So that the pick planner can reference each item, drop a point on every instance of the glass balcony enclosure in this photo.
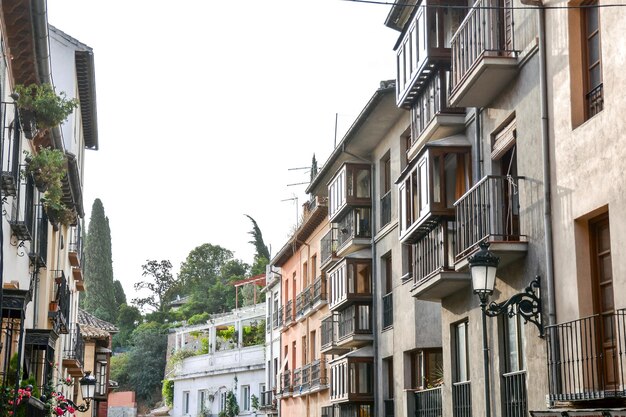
(430, 185)
(351, 186)
(352, 379)
(355, 224)
(350, 280)
(424, 43)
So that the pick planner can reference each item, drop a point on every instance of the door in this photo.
(603, 300)
(508, 190)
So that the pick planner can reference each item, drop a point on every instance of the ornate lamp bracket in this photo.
(526, 304)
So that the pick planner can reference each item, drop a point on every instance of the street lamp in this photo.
(88, 391)
(483, 266)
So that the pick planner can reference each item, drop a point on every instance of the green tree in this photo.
(146, 362)
(128, 318)
(262, 254)
(207, 276)
(161, 286)
(120, 295)
(99, 297)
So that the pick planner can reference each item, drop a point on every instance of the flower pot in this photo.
(54, 306)
(58, 280)
(41, 185)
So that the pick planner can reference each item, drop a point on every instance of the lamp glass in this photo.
(483, 278)
(88, 387)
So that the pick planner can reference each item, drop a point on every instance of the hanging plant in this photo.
(48, 167)
(40, 104)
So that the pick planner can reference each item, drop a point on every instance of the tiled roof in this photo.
(91, 332)
(86, 319)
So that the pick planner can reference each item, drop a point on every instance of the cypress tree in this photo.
(100, 294)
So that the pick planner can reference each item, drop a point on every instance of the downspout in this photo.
(478, 159)
(377, 403)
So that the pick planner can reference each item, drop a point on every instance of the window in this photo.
(245, 397)
(185, 402)
(101, 376)
(313, 346)
(407, 263)
(305, 275)
(313, 267)
(426, 368)
(388, 366)
(514, 344)
(461, 365)
(202, 401)
(586, 81)
(223, 400)
(385, 186)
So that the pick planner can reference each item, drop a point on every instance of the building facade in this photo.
(273, 321)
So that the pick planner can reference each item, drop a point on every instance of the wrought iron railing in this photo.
(428, 403)
(74, 347)
(487, 30)
(289, 312)
(389, 408)
(286, 381)
(587, 358)
(274, 319)
(515, 394)
(489, 210)
(63, 301)
(320, 291)
(434, 251)
(297, 379)
(267, 400)
(39, 247)
(328, 411)
(303, 302)
(387, 310)
(305, 378)
(281, 315)
(76, 240)
(461, 399)
(328, 331)
(328, 246)
(595, 101)
(355, 224)
(318, 373)
(385, 209)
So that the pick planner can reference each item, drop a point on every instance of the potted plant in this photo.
(54, 306)
(47, 167)
(41, 107)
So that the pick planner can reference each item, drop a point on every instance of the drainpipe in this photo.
(478, 159)
(377, 404)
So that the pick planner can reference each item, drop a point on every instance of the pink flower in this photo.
(59, 411)
(70, 409)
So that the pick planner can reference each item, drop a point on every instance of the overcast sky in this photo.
(205, 105)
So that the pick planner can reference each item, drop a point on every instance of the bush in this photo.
(168, 392)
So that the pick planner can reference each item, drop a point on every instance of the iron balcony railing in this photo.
(318, 373)
(9, 149)
(385, 209)
(289, 312)
(22, 219)
(305, 378)
(329, 326)
(328, 411)
(286, 381)
(461, 399)
(488, 211)
(303, 302)
(76, 240)
(274, 319)
(387, 310)
(515, 394)
(268, 401)
(595, 101)
(587, 358)
(434, 252)
(328, 246)
(428, 403)
(297, 379)
(355, 224)
(281, 315)
(63, 301)
(487, 30)
(320, 290)
(389, 408)
(74, 347)
(39, 246)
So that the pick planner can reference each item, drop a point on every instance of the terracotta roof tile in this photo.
(86, 319)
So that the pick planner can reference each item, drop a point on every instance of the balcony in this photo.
(461, 399)
(385, 209)
(350, 187)
(285, 383)
(352, 380)
(22, 215)
(434, 275)
(490, 211)
(515, 394)
(9, 150)
(328, 248)
(328, 411)
(303, 303)
(268, 401)
(301, 380)
(354, 231)
(424, 45)
(60, 307)
(319, 295)
(74, 351)
(587, 358)
(319, 379)
(387, 310)
(484, 58)
(350, 281)
(330, 335)
(39, 246)
(431, 117)
(354, 326)
(428, 403)
(75, 247)
(431, 183)
(288, 311)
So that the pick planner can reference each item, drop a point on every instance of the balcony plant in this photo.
(48, 167)
(41, 107)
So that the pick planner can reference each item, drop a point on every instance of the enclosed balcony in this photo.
(354, 326)
(431, 116)
(490, 211)
(484, 57)
(328, 248)
(350, 187)
(424, 44)
(354, 231)
(74, 351)
(587, 358)
(350, 281)
(352, 379)
(75, 247)
(434, 276)
(430, 184)
(330, 335)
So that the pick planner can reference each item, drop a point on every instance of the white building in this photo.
(268, 403)
(235, 362)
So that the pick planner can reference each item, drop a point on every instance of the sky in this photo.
(206, 106)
